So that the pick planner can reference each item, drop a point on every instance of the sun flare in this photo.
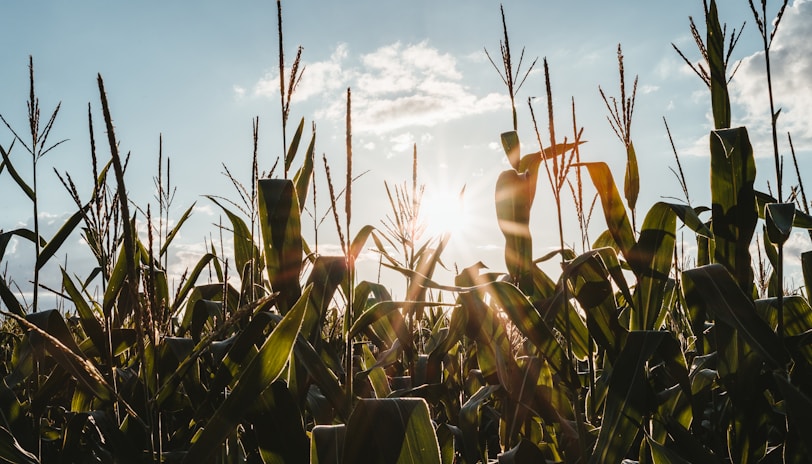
(444, 211)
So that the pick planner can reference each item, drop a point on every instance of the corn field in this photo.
(628, 355)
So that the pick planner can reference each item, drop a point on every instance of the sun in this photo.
(443, 211)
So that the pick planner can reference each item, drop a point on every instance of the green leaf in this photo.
(11, 450)
(798, 405)
(357, 245)
(322, 376)
(253, 379)
(627, 400)
(779, 217)
(660, 454)
(713, 289)
(9, 299)
(392, 430)
(282, 240)
(87, 316)
(190, 281)
(651, 258)
(384, 308)
(527, 319)
(377, 376)
(589, 278)
(470, 417)
(294, 145)
(690, 217)
(116, 281)
(806, 267)
(514, 198)
(6, 237)
(523, 453)
(245, 250)
(558, 312)
(715, 45)
(327, 444)
(510, 143)
(174, 232)
(277, 423)
(733, 171)
(631, 181)
(613, 210)
(49, 330)
(327, 274)
(59, 238)
(29, 192)
(304, 175)
(801, 219)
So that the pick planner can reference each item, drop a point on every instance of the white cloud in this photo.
(403, 142)
(645, 89)
(791, 67)
(394, 87)
(204, 209)
(317, 78)
(239, 91)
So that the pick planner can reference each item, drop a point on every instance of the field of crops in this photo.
(632, 353)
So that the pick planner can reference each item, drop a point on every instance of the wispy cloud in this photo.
(791, 66)
(394, 87)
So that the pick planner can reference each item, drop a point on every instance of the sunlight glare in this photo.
(444, 211)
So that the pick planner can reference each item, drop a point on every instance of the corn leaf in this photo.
(384, 308)
(87, 316)
(278, 425)
(806, 267)
(470, 416)
(713, 289)
(631, 181)
(6, 237)
(48, 329)
(11, 450)
(560, 313)
(801, 219)
(593, 290)
(523, 453)
(733, 172)
(294, 145)
(281, 235)
(779, 217)
(244, 249)
(510, 143)
(304, 175)
(190, 281)
(174, 232)
(613, 210)
(720, 99)
(651, 259)
(9, 299)
(29, 192)
(627, 400)
(514, 198)
(327, 274)
(393, 430)
(327, 444)
(660, 454)
(529, 322)
(253, 379)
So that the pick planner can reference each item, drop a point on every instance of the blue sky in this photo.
(199, 72)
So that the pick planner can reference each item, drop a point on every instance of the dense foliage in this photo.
(628, 355)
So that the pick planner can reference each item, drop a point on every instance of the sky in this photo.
(196, 74)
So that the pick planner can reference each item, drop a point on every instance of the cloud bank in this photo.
(394, 87)
(791, 68)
